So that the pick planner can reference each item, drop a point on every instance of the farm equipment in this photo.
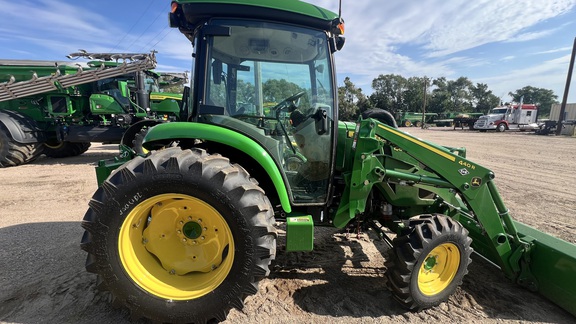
(408, 118)
(186, 232)
(465, 120)
(59, 108)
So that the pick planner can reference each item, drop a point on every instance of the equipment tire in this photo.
(65, 149)
(138, 140)
(407, 123)
(214, 242)
(418, 124)
(501, 127)
(13, 153)
(428, 262)
(381, 115)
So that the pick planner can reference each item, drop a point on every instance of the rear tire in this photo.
(381, 115)
(65, 149)
(179, 236)
(427, 263)
(13, 153)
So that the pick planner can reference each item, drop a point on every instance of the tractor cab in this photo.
(272, 82)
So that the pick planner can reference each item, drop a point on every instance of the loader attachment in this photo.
(552, 264)
(394, 162)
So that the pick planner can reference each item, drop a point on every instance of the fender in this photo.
(20, 128)
(180, 130)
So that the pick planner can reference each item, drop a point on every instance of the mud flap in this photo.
(552, 265)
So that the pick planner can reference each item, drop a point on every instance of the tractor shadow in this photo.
(43, 280)
(340, 277)
(94, 154)
(345, 277)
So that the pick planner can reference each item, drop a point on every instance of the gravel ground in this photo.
(42, 276)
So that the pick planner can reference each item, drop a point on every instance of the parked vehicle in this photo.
(185, 233)
(465, 120)
(520, 117)
(59, 108)
(409, 118)
(456, 119)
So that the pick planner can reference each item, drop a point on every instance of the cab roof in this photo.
(288, 11)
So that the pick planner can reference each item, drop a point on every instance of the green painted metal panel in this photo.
(552, 263)
(294, 6)
(299, 233)
(179, 130)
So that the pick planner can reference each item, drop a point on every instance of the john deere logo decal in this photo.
(476, 182)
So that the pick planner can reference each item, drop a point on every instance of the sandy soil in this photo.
(42, 277)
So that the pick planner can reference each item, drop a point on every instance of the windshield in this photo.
(499, 110)
(278, 79)
(151, 84)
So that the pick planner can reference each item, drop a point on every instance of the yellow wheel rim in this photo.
(438, 269)
(55, 146)
(176, 246)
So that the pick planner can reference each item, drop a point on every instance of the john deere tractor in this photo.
(186, 232)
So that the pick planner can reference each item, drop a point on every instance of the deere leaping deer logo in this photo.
(476, 182)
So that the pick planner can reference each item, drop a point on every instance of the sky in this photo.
(503, 43)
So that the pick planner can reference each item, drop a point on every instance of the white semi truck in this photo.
(519, 117)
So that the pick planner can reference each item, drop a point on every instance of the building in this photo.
(569, 120)
(569, 114)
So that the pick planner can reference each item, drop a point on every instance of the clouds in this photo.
(486, 40)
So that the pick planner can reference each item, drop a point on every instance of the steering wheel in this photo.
(288, 101)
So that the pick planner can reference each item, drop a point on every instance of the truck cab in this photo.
(522, 117)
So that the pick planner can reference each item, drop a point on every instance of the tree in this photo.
(389, 92)
(484, 99)
(351, 101)
(413, 96)
(451, 95)
(543, 98)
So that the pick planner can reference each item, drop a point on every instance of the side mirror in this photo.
(217, 71)
(185, 104)
(321, 118)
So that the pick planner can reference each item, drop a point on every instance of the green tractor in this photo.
(59, 108)
(186, 232)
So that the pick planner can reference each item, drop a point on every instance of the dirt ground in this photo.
(42, 276)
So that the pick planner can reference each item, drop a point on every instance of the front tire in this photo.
(501, 127)
(428, 263)
(180, 236)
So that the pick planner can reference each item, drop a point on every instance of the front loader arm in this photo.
(489, 219)
(382, 155)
